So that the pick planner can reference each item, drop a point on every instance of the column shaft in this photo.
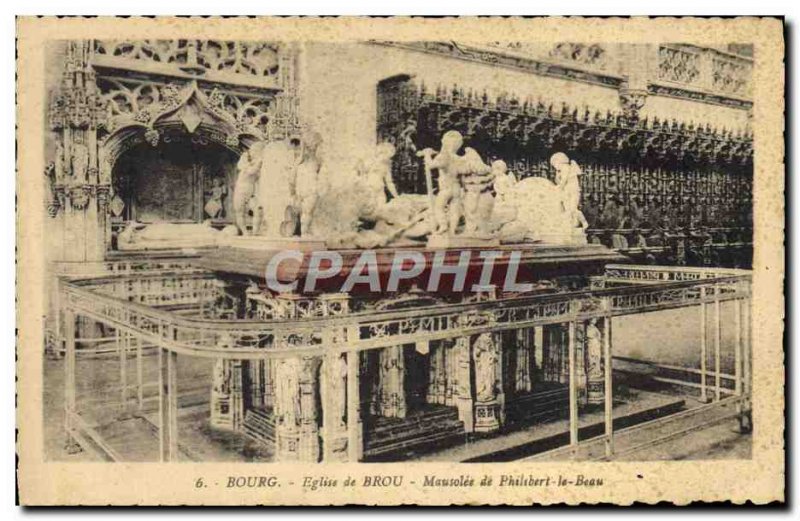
(573, 385)
(354, 434)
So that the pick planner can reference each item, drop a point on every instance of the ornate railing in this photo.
(628, 273)
(245, 339)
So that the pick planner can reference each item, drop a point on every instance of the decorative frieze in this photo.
(259, 59)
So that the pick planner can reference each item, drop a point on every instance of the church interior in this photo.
(178, 169)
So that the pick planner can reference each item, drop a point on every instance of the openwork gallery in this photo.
(385, 251)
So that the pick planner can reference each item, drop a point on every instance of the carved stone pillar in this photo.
(451, 349)
(581, 363)
(227, 403)
(438, 373)
(295, 410)
(287, 409)
(462, 396)
(488, 398)
(392, 394)
(291, 388)
(333, 391)
(308, 436)
(78, 184)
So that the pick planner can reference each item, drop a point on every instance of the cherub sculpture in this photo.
(376, 179)
(569, 186)
(447, 205)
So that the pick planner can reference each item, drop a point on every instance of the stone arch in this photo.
(188, 108)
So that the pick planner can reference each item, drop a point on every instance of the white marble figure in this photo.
(448, 207)
(159, 235)
(248, 169)
(287, 403)
(485, 368)
(504, 181)
(594, 350)
(477, 180)
(535, 209)
(375, 176)
(80, 159)
(567, 173)
(275, 190)
(306, 182)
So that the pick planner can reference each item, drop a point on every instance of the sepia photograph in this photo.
(389, 249)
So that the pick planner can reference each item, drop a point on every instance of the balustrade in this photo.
(314, 347)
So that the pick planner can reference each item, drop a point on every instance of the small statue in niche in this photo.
(485, 367)
(60, 163)
(80, 159)
(214, 206)
(594, 350)
(286, 392)
(248, 169)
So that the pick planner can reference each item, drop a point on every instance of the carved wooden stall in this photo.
(664, 191)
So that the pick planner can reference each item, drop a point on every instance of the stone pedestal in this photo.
(487, 417)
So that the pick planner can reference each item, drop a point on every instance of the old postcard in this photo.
(391, 261)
